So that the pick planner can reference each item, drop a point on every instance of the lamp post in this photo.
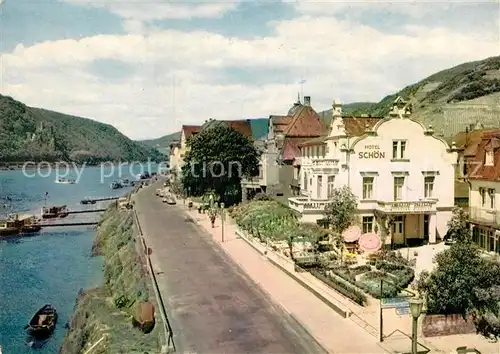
(222, 219)
(416, 305)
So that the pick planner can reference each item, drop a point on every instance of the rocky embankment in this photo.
(105, 314)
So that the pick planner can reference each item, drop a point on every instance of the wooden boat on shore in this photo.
(54, 212)
(43, 322)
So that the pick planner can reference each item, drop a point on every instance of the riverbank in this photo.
(104, 315)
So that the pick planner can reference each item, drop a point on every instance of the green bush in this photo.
(403, 275)
(371, 281)
(344, 273)
(360, 269)
(342, 286)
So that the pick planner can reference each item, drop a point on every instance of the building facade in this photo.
(484, 197)
(401, 173)
(280, 159)
(179, 148)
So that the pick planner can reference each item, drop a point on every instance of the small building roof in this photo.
(189, 130)
(358, 126)
(480, 171)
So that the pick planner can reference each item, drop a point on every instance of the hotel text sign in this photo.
(371, 152)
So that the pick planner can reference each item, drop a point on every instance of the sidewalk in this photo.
(334, 333)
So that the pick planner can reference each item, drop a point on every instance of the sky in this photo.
(147, 67)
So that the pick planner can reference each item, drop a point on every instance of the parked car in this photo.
(169, 199)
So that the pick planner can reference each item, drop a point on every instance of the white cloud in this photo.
(406, 8)
(339, 58)
(147, 10)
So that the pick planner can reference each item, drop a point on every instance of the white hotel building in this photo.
(402, 175)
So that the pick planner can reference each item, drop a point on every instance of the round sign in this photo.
(370, 242)
(352, 233)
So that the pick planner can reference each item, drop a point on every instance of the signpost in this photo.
(400, 304)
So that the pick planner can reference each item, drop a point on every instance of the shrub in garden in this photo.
(360, 269)
(342, 286)
(403, 274)
(371, 281)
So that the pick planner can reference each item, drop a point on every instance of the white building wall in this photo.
(425, 155)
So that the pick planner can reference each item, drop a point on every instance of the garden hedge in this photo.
(342, 286)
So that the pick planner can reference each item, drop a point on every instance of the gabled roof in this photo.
(291, 148)
(469, 142)
(315, 141)
(479, 170)
(305, 123)
(189, 130)
(358, 126)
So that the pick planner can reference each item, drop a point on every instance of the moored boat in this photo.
(19, 224)
(116, 185)
(43, 322)
(65, 181)
(125, 182)
(54, 212)
(8, 228)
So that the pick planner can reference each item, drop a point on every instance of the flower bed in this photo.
(395, 276)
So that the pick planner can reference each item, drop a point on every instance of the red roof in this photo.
(490, 142)
(305, 123)
(241, 126)
(470, 141)
(358, 126)
(291, 149)
(189, 130)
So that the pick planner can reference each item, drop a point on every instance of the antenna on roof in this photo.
(302, 82)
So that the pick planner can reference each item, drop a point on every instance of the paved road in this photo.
(214, 306)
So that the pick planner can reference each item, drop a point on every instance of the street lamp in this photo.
(222, 219)
(416, 305)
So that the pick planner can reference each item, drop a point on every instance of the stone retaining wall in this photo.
(441, 325)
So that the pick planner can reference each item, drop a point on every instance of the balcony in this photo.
(325, 166)
(306, 205)
(254, 182)
(484, 216)
(403, 207)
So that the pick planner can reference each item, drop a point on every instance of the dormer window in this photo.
(488, 159)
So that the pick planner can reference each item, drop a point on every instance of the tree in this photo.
(341, 211)
(463, 282)
(219, 157)
(458, 226)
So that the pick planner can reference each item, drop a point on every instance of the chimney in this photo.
(307, 101)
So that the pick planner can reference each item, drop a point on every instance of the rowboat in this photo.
(43, 322)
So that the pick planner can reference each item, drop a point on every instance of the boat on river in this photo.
(54, 212)
(17, 224)
(116, 185)
(43, 322)
(65, 181)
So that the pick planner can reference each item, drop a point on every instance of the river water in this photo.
(50, 267)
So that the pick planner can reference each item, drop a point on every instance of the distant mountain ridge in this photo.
(35, 134)
(449, 100)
